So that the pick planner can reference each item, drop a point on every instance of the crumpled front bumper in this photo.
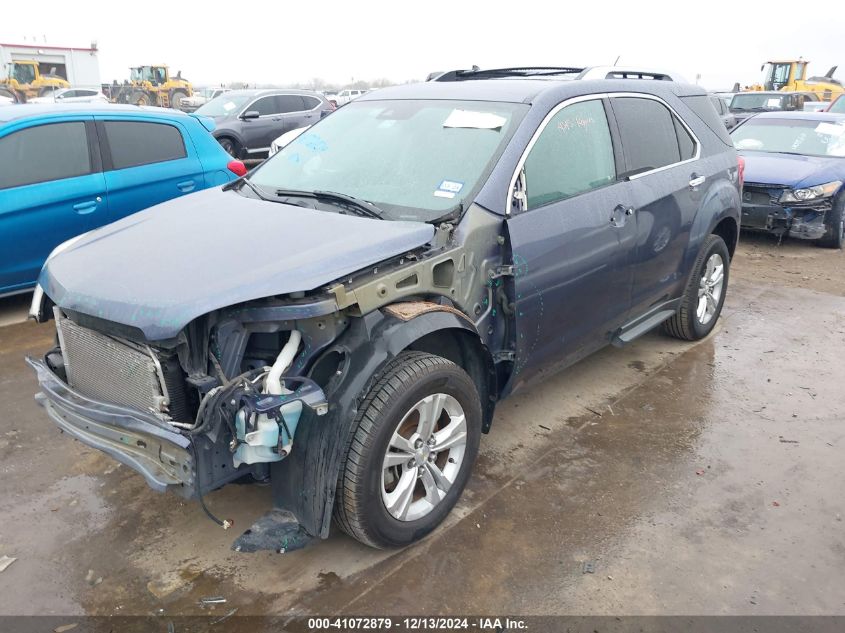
(139, 440)
(804, 221)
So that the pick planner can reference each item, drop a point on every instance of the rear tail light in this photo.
(740, 163)
(236, 167)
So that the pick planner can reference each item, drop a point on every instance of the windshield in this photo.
(791, 136)
(750, 101)
(224, 105)
(776, 76)
(416, 160)
(838, 105)
(23, 73)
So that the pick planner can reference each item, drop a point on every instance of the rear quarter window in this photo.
(704, 110)
(135, 143)
(44, 153)
(311, 102)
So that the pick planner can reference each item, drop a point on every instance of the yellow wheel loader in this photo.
(152, 85)
(24, 80)
(790, 75)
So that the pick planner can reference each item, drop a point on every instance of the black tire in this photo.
(8, 93)
(176, 97)
(230, 145)
(835, 225)
(686, 324)
(139, 98)
(359, 508)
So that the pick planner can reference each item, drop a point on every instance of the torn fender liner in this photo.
(305, 481)
(408, 310)
(278, 531)
(161, 268)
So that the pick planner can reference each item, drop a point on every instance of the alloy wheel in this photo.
(424, 457)
(710, 288)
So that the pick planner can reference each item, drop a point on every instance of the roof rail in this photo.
(496, 73)
(626, 72)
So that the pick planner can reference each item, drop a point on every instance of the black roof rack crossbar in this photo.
(496, 73)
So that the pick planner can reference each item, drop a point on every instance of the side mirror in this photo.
(251, 114)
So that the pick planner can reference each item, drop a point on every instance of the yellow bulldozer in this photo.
(24, 80)
(790, 75)
(151, 85)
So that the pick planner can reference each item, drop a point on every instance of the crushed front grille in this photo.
(109, 370)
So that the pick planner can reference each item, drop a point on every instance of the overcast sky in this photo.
(279, 42)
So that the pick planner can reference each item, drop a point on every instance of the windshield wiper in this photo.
(243, 180)
(356, 205)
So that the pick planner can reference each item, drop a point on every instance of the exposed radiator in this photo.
(110, 370)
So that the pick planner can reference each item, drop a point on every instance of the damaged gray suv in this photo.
(343, 320)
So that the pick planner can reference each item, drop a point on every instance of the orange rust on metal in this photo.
(411, 309)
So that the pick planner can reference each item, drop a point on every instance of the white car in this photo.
(345, 96)
(200, 98)
(72, 95)
(6, 101)
(286, 139)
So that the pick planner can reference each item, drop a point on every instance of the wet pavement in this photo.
(660, 478)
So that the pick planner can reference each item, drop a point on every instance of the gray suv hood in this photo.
(159, 269)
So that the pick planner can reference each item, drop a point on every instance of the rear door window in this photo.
(573, 154)
(652, 136)
(290, 103)
(43, 153)
(648, 133)
(686, 143)
(134, 143)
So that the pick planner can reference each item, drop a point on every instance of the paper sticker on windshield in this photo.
(773, 103)
(448, 189)
(476, 120)
(229, 106)
(830, 129)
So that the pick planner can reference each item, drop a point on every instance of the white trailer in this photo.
(80, 66)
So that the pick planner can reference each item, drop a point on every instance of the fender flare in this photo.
(218, 132)
(721, 202)
(304, 482)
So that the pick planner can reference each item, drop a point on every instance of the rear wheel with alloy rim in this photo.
(704, 296)
(412, 451)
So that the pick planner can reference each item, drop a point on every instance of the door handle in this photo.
(695, 181)
(620, 212)
(186, 186)
(84, 208)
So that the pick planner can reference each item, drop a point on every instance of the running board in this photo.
(635, 329)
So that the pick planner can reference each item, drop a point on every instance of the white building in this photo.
(80, 66)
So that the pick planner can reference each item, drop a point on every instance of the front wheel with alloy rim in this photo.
(704, 295)
(414, 444)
